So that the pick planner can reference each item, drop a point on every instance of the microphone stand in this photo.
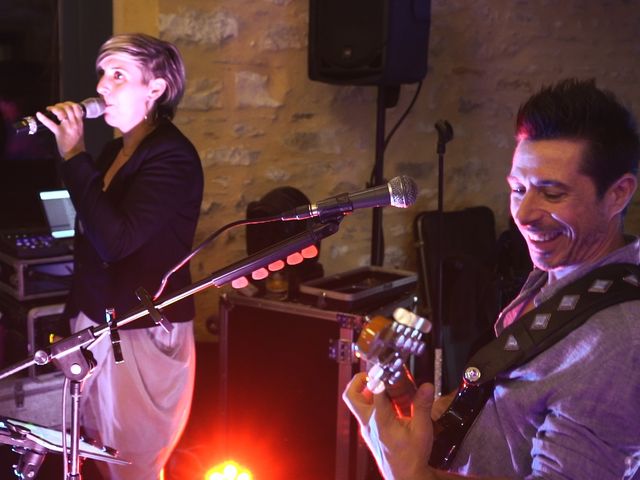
(445, 134)
(387, 97)
(70, 355)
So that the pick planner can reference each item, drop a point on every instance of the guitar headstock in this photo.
(386, 345)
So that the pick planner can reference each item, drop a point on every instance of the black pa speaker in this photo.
(368, 42)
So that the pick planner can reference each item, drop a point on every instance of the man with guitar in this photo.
(562, 392)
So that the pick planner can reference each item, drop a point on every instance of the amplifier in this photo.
(33, 278)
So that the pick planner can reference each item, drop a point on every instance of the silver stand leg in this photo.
(76, 393)
(76, 366)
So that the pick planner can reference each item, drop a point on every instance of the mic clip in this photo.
(155, 314)
(114, 336)
(335, 207)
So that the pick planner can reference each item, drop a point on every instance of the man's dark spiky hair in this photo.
(578, 110)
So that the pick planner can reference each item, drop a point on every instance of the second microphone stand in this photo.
(445, 135)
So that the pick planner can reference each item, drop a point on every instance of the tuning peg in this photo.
(410, 319)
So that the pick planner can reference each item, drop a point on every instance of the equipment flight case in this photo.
(283, 368)
(28, 279)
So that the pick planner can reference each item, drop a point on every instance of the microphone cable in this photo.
(205, 243)
(396, 126)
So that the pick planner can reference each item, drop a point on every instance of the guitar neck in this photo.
(401, 393)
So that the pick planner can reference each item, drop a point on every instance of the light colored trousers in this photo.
(139, 407)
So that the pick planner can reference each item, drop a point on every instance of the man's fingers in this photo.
(356, 385)
(358, 398)
(356, 392)
(423, 403)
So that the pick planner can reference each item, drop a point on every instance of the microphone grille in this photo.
(403, 190)
(93, 107)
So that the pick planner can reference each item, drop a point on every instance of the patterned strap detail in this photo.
(543, 326)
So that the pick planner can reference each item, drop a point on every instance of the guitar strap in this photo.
(531, 334)
(552, 320)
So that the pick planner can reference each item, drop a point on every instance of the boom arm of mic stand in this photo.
(236, 270)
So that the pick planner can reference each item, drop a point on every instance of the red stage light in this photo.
(228, 470)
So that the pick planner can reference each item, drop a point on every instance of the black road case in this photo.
(284, 367)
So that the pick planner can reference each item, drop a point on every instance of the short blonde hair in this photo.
(157, 59)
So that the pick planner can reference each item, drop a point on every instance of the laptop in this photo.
(59, 211)
(55, 239)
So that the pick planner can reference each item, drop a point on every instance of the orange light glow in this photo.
(310, 252)
(275, 266)
(294, 259)
(228, 470)
(240, 283)
(260, 274)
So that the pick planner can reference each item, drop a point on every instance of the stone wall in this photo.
(259, 122)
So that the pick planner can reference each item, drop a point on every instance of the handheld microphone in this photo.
(91, 108)
(399, 192)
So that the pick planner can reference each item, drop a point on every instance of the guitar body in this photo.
(451, 428)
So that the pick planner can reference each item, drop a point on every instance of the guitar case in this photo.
(470, 293)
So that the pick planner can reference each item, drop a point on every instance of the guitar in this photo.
(386, 346)
(450, 429)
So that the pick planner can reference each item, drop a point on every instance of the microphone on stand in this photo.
(91, 108)
(400, 192)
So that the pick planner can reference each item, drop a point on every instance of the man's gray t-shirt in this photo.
(573, 412)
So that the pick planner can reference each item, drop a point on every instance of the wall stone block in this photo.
(203, 95)
(198, 26)
(284, 37)
(251, 90)
(237, 156)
